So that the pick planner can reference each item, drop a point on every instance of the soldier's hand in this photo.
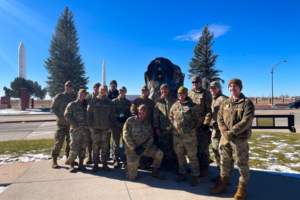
(205, 127)
(91, 129)
(109, 130)
(157, 132)
(139, 150)
(227, 134)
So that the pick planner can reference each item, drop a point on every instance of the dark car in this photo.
(295, 104)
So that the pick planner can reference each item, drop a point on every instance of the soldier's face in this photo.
(122, 93)
(181, 97)
(165, 92)
(214, 90)
(96, 90)
(196, 84)
(142, 114)
(68, 88)
(113, 87)
(82, 96)
(103, 92)
(234, 89)
(144, 93)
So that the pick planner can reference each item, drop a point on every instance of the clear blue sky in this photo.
(251, 37)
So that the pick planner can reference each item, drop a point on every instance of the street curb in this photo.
(6, 122)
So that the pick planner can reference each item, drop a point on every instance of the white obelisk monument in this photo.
(22, 63)
(103, 74)
(22, 60)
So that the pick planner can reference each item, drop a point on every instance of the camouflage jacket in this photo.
(215, 105)
(203, 98)
(139, 101)
(60, 103)
(185, 117)
(90, 97)
(75, 114)
(122, 107)
(101, 113)
(237, 116)
(136, 134)
(161, 113)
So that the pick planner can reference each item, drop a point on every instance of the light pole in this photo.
(272, 76)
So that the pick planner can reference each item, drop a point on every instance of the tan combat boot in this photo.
(220, 188)
(216, 179)
(104, 166)
(80, 166)
(95, 167)
(89, 159)
(54, 162)
(195, 181)
(204, 173)
(156, 174)
(182, 177)
(71, 167)
(241, 192)
(117, 162)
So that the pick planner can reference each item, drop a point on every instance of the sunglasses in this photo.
(195, 81)
(68, 85)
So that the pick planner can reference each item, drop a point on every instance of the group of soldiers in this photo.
(166, 131)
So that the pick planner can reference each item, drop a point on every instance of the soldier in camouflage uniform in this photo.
(58, 107)
(122, 111)
(75, 114)
(89, 97)
(184, 116)
(162, 125)
(203, 98)
(143, 100)
(100, 120)
(235, 119)
(218, 99)
(138, 137)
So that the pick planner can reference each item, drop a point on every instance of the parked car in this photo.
(295, 104)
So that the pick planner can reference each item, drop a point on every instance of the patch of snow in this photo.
(275, 151)
(294, 164)
(282, 169)
(5, 159)
(19, 112)
(257, 158)
(266, 136)
(2, 188)
(287, 174)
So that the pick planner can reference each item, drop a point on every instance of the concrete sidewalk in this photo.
(40, 181)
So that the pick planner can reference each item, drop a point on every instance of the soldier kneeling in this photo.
(138, 137)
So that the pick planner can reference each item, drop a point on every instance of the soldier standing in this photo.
(235, 119)
(89, 97)
(184, 116)
(163, 126)
(58, 107)
(100, 120)
(138, 137)
(143, 100)
(75, 114)
(218, 99)
(122, 111)
(203, 98)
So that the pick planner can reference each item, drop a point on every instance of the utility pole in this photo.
(273, 68)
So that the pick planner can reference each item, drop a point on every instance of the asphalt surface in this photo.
(11, 118)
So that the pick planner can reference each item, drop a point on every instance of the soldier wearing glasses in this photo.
(58, 107)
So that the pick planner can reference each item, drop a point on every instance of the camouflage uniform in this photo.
(89, 134)
(122, 108)
(75, 114)
(184, 118)
(147, 102)
(101, 117)
(161, 121)
(203, 98)
(137, 134)
(235, 120)
(58, 107)
(216, 135)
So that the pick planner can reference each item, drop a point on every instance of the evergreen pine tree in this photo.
(64, 62)
(203, 63)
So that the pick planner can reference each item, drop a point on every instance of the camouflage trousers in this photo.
(117, 134)
(61, 134)
(215, 142)
(90, 141)
(100, 142)
(187, 145)
(203, 148)
(168, 147)
(133, 160)
(241, 149)
(78, 144)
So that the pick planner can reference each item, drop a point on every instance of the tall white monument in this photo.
(22, 60)
(103, 73)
